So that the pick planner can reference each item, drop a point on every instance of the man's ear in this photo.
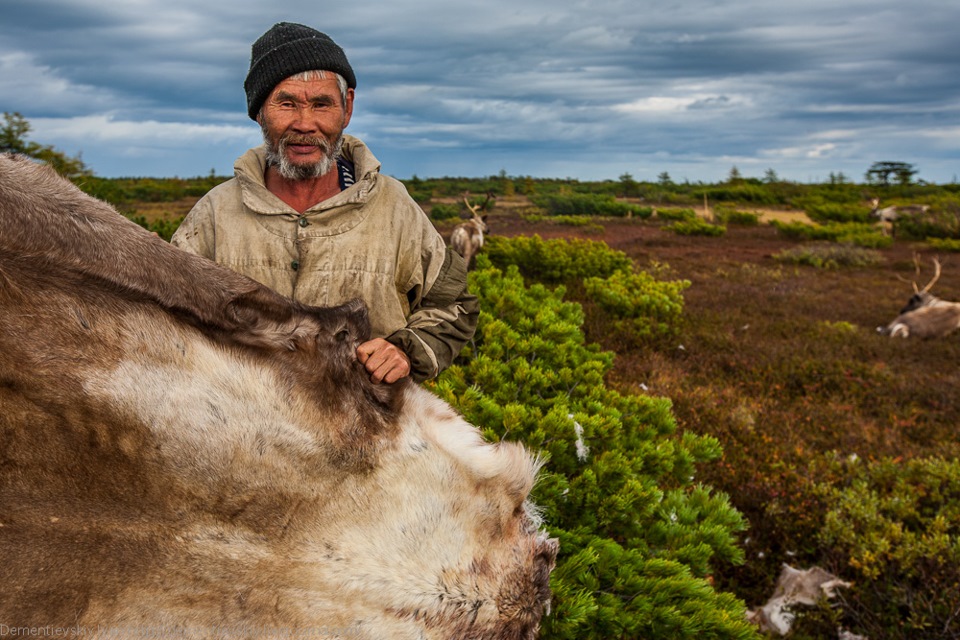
(348, 108)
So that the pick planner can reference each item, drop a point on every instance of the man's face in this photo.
(303, 123)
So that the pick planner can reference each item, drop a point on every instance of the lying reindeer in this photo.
(925, 315)
(467, 237)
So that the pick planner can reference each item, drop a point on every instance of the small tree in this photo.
(629, 185)
(880, 172)
(838, 178)
(13, 136)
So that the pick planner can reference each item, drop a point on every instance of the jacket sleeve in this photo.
(443, 321)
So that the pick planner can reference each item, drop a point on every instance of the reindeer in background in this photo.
(888, 215)
(467, 237)
(925, 315)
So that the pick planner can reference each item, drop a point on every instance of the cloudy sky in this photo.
(546, 88)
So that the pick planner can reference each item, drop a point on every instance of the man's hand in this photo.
(385, 362)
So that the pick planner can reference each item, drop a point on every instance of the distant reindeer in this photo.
(925, 315)
(888, 215)
(467, 237)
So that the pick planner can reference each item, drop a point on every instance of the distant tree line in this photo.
(886, 180)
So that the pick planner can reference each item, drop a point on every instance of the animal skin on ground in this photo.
(184, 452)
(794, 587)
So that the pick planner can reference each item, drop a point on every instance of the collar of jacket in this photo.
(249, 170)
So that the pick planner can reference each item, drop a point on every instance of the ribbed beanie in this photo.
(286, 49)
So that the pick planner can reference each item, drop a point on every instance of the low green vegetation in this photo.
(639, 536)
(782, 429)
(697, 227)
(855, 233)
(895, 525)
(830, 256)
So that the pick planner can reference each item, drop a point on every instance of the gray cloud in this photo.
(588, 89)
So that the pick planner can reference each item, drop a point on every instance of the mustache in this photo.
(315, 141)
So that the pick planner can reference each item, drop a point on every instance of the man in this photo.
(309, 215)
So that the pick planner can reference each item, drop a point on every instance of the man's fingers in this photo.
(383, 360)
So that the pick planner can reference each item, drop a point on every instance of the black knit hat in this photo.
(287, 49)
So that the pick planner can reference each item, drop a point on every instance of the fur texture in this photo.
(183, 451)
(467, 237)
(794, 587)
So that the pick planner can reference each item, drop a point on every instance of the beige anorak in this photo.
(370, 241)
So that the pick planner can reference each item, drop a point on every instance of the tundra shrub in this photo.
(725, 215)
(697, 227)
(163, 227)
(638, 536)
(932, 224)
(895, 528)
(859, 234)
(825, 212)
(444, 211)
(588, 204)
(642, 307)
(676, 214)
(944, 244)
(830, 256)
(556, 261)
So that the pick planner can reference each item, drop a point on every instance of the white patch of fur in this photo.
(794, 587)
(238, 421)
(366, 551)
(442, 426)
(581, 447)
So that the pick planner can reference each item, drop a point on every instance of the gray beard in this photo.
(276, 157)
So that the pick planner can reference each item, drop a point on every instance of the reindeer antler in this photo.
(916, 268)
(474, 209)
(936, 276)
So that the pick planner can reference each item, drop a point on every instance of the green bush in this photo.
(676, 214)
(895, 526)
(936, 223)
(830, 256)
(855, 233)
(421, 196)
(945, 244)
(733, 216)
(163, 227)
(638, 536)
(825, 212)
(586, 223)
(697, 227)
(556, 261)
(588, 204)
(444, 211)
(641, 306)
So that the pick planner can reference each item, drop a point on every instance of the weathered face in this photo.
(303, 123)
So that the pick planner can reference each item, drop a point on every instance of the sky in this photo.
(590, 90)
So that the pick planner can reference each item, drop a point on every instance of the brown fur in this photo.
(467, 237)
(925, 315)
(184, 451)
